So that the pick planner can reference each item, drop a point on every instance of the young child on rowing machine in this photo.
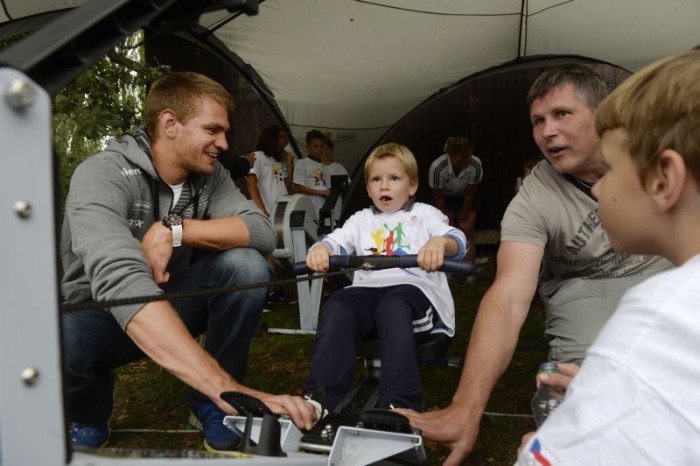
(400, 306)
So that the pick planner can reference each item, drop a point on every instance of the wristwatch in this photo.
(174, 222)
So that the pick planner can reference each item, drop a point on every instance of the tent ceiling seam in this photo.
(522, 32)
(413, 10)
(224, 21)
(4, 9)
(550, 7)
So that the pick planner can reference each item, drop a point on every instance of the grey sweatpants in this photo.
(577, 309)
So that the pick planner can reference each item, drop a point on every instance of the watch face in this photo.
(172, 219)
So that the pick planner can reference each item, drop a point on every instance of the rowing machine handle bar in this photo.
(386, 262)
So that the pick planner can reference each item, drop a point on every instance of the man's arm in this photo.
(466, 217)
(217, 234)
(469, 193)
(161, 335)
(495, 334)
(227, 201)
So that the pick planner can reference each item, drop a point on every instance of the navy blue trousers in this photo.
(400, 316)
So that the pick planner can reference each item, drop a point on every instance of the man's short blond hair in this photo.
(402, 154)
(181, 92)
(659, 109)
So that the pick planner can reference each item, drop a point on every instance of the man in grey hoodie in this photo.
(153, 213)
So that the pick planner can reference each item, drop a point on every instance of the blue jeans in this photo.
(94, 343)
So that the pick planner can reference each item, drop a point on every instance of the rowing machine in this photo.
(296, 223)
(357, 409)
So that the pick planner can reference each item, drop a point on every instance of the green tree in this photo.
(104, 101)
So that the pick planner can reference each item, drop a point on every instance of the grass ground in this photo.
(149, 398)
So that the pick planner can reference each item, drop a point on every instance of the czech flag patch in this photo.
(536, 450)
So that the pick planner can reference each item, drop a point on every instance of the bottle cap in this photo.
(549, 366)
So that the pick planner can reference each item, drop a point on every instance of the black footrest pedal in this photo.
(385, 420)
(321, 437)
(246, 404)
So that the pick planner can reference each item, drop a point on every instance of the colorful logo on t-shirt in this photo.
(279, 172)
(389, 241)
(317, 175)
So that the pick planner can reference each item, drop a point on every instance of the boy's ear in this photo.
(666, 180)
(414, 187)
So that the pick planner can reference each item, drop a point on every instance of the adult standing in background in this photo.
(454, 178)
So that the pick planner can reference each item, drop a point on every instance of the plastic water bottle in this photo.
(546, 398)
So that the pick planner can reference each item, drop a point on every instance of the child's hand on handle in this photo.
(432, 255)
(317, 258)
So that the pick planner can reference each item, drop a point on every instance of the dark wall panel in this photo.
(253, 110)
(491, 110)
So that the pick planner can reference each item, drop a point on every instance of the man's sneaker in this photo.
(87, 435)
(210, 420)
(280, 297)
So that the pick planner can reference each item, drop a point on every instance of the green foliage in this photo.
(106, 100)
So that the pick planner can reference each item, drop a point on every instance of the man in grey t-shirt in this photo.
(550, 234)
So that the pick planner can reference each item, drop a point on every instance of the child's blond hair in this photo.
(659, 108)
(402, 154)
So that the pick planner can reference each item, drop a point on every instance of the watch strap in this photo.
(174, 223)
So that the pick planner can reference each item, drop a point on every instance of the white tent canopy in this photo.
(355, 67)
